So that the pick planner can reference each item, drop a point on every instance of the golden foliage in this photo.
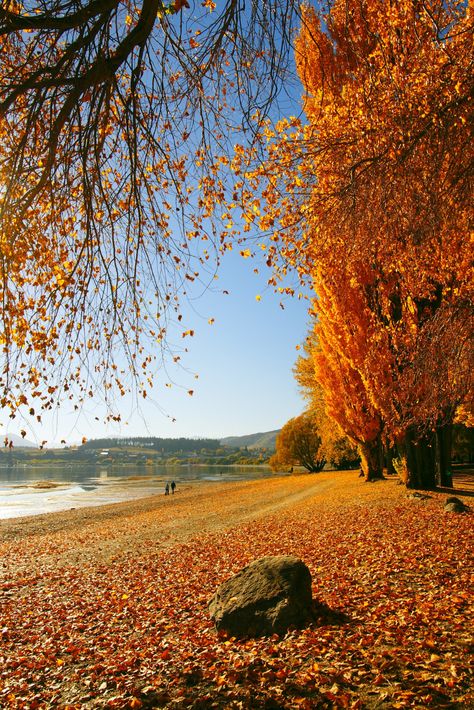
(335, 446)
(116, 121)
(299, 444)
(371, 202)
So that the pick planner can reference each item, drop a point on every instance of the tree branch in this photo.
(12, 22)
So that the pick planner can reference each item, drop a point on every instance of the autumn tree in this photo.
(299, 444)
(371, 200)
(336, 447)
(115, 118)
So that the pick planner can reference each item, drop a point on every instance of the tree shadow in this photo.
(463, 481)
(455, 491)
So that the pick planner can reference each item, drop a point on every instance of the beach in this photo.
(107, 607)
(30, 491)
(194, 509)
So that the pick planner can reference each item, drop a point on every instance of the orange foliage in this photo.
(325, 405)
(371, 201)
(115, 122)
(299, 443)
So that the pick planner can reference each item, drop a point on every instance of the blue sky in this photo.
(243, 360)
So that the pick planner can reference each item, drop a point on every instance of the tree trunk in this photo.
(444, 437)
(391, 453)
(381, 458)
(420, 454)
(371, 459)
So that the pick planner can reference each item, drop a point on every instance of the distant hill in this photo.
(262, 440)
(18, 442)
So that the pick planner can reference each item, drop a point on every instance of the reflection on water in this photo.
(36, 490)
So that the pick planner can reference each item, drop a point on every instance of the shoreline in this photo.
(191, 510)
(37, 496)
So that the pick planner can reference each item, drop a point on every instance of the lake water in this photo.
(32, 491)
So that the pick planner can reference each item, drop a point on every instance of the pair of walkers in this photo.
(167, 488)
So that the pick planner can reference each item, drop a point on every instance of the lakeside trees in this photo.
(371, 201)
(154, 442)
(311, 440)
(299, 443)
(111, 114)
(336, 448)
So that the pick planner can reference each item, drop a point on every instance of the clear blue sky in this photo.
(244, 362)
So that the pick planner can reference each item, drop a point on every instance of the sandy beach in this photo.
(107, 607)
(168, 520)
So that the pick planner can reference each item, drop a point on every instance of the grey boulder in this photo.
(268, 596)
(454, 505)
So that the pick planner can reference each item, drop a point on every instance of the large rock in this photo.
(268, 596)
(454, 505)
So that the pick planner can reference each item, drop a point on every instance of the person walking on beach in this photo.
(173, 486)
(167, 489)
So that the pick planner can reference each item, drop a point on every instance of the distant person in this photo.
(173, 486)
(167, 489)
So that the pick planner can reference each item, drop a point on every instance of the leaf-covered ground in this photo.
(109, 610)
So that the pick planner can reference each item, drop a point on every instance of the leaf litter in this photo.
(105, 614)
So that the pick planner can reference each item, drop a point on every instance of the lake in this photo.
(32, 490)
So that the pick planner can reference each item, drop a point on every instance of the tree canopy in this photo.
(336, 447)
(299, 444)
(371, 200)
(115, 118)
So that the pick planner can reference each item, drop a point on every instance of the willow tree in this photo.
(372, 201)
(115, 118)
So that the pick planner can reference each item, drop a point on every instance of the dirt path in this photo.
(102, 534)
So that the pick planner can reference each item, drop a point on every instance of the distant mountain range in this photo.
(262, 440)
(18, 442)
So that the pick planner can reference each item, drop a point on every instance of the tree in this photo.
(299, 443)
(372, 201)
(114, 120)
(335, 347)
(335, 445)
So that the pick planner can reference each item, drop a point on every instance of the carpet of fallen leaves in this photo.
(85, 623)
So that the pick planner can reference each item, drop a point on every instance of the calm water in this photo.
(74, 487)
